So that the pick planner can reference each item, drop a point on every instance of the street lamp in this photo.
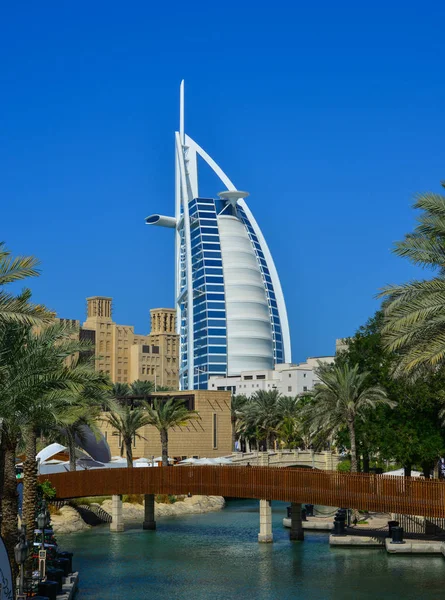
(21, 550)
(42, 523)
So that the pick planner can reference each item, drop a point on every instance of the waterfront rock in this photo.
(193, 505)
(188, 506)
(68, 521)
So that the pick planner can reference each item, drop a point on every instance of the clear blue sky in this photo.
(331, 114)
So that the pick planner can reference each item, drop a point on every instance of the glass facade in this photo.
(209, 301)
(209, 309)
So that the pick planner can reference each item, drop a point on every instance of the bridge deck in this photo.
(404, 495)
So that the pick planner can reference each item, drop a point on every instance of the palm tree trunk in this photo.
(71, 450)
(10, 505)
(407, 470)
(129, 452)
(30, 483)
(365, 462)
(351, 427)
(164, 444)
(233, 433)
(427, 467)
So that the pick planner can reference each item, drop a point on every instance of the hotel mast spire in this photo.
(181, 113)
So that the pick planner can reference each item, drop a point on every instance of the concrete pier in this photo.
(317, 524)
(415, 547)
(149, 512)
(357, 541)
(265, 535)
(296, 523)
(117, 519)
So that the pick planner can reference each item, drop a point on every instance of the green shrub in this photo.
(133, 498)
(344, 466)
(165, 499)
(47, 490)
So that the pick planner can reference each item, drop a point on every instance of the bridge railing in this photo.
(330, 488)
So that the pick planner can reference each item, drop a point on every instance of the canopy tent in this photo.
(50, 451)
(97, 448)
(89, 463)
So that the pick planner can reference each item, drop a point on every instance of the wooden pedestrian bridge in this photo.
(392, 494)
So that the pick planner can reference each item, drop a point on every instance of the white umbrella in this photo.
(159, 459)
(222, 460)
(401, 473)
(118, 459)
(205, 461)
(189, 461)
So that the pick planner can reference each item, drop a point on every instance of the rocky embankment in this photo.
(69, 521)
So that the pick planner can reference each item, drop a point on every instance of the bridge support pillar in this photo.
(117, 519)
(265, 535)
(296, 523)
(149, 512)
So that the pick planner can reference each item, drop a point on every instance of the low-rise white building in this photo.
(288, 379)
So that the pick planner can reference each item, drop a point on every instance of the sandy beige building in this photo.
(209, 436)
(127, 356)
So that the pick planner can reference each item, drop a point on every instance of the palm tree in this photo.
(341, 399)
(33, 372)
(289, 424)
(127, 421)
(415, 311)
(166, 414)
(83, 412)
(120, 391)
(53, 399)
(18, 308)
(236, 406)
(261, 413)
(142, 388)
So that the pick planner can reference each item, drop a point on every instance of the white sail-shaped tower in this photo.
(231, 315)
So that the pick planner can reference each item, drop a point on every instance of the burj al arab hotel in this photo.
(231, 315)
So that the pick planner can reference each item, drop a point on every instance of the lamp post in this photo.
(42, 523)
(21, 554)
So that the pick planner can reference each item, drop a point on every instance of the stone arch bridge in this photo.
(323, 461)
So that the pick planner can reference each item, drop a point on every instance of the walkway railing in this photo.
(362, 491)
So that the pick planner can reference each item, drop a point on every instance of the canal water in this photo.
(216, 556)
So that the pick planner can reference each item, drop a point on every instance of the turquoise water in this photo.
(217, 557)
